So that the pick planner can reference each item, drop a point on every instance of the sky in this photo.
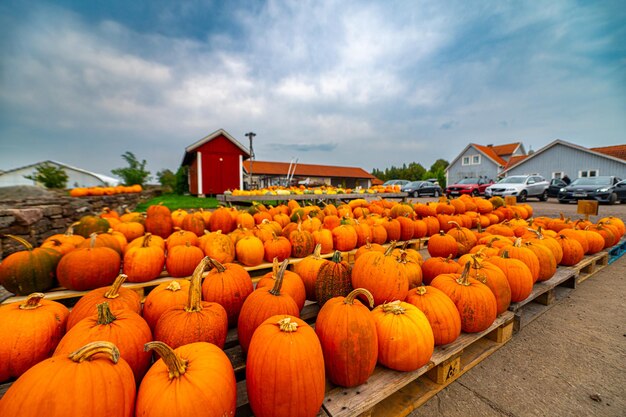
(354, 83)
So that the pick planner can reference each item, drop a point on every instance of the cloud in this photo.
(449, 125)
(303, 147)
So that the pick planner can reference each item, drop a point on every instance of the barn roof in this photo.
(306, 170)
(220, 132)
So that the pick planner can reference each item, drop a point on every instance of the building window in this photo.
(466, 160)
(588, 173)
(476, 160)
(557, 175)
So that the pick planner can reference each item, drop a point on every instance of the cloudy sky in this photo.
(355, 83)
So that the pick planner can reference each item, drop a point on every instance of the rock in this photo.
(27, 216)
(596, 398)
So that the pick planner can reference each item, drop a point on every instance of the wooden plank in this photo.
(563, 276)
(533, 310)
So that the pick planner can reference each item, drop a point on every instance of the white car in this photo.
(520, 186)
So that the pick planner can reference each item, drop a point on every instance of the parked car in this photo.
(605, 189)
(555, 186)
(520, 186)
(473, 186)
(396, 182)
(422, 188)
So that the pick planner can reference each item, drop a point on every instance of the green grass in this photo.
(175, 201)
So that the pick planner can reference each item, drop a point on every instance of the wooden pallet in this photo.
(591, 264)
(617, 251)
(393, 393)
(544, 296)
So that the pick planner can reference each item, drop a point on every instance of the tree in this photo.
(50, 176)
(182, 182)
(439, 164)
(135, 173)
(167, 179)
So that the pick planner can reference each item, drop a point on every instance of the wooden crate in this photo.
(591, 264)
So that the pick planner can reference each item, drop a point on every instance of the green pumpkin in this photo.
(91, 224)
(334, 279)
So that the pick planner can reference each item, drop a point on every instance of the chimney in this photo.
(490, 145)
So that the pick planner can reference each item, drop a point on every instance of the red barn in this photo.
(215, 164)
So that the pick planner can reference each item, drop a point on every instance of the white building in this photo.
(76, 177)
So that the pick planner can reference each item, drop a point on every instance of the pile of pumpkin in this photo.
(98, 191)
(414, 305)
(322, 190)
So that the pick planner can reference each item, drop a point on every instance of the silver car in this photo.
(520, 186)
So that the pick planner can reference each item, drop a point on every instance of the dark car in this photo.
(473, 186)
(605, 189)
(555, 185)
(421, 188)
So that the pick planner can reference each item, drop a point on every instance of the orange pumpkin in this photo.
(494, 278)
(302, 242)
(307, 269)
(219, 246)
(159, 221)
(144, 263)
(442, 314)
(30, 332)
(182, 260)
(163, 297)
(517, 273)
(333, 279)
(278, 247)
(572, 250)
(292, 283)
(282, 389)
(97, 367)
(382, 274)
(442, 245)
(405, 338)
(190, 371)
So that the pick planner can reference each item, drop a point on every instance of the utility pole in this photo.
(250, 135)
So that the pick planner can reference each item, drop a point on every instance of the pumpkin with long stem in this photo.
(263, 303)
(432, 267)
(163, 297)
(495, 279)
(347, 333)
(280, 387)
(475, 301)
(118, 297)
(308, 268)
(124, 328)
(77, 383)
(30, 332)
(197, 321)
(193, 380)
(30, 270)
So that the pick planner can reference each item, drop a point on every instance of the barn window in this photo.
(476, 160)
(466, 160)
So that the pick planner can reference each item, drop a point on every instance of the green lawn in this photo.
(175, 201)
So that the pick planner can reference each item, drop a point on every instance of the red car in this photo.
(472, 186)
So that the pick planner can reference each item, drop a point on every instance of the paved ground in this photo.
(570, 361)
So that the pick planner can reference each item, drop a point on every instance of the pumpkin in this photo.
(177, 217)
(88, 268)
(524, 254)
(219, 246)
(277, 247)
(333, 279)
(118, 297)
(407, 227)
(280, 388)
(464, 237)
(517, 273)
(63, 247)
(348, 337)
(547, 262)
(154, 241)
(292, 284)
(182, 260)
(181, 237)
(103, 240)
(405, 338)
(68, 237)
(442, 314)
(595, 240)
(263, 303)
(228, 285)
(302, 242)
(163, 297)
(30, 270)
(76, 383)
(344, 238)
(537, 236)
(379, 234)
(30, 332)
(496, 280)
(144, 263)
(91, 224)
(179, 383)
(577, 235)
(412, 268)
(221, 219)
(442, 245)
(432, 267)
(245, 220)
(382, 274)
(159, 221)
(131, 230)
(197, 321)
(250, 251)
(194, 223)
(307, 269)
(475, 301)
(368, 247)
(124, 328)
(572, 250)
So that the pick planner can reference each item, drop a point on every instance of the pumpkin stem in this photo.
(92, 240)
(105, 316)
(275, 267)
(22, 241)
(464, 278)
(279, 278)
(421, 290)
(194, 302)
(176, 365)
(216, 264)
(392, 246)
(518, 242)
(458, 226)
(113, 292)
(146, 240)
(359, 291)
(173, 286)
(336, 257)
(286, 325)
(89, 350)
(317, 252)
(393, 307)
(505, 254)
(32, 301)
